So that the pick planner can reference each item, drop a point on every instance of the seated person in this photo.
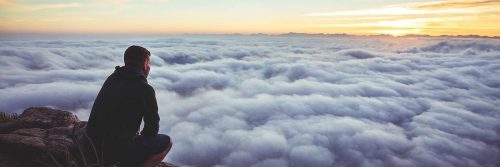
(124, 100)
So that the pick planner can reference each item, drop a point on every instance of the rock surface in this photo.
(43, 137)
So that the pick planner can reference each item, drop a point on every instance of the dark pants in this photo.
(141, 148)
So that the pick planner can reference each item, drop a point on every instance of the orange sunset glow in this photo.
(401, 17)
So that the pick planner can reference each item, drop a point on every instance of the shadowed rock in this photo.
(38, 134)
(47, 118)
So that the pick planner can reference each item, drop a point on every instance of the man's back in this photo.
(124, 99)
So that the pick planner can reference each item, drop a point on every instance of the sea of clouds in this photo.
(298, 101)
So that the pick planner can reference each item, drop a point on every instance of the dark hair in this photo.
(136, 55)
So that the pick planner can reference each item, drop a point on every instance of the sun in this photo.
(397, 32)
(402, 26)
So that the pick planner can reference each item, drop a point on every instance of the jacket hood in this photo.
(128, 72)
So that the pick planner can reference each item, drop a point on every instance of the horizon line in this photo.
(23, 34)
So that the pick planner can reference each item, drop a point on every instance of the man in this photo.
(123, 101)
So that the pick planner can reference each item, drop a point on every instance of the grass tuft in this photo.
(7, 117)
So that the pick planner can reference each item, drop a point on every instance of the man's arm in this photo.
(150, 113)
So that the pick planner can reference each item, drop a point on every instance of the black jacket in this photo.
(123, 101)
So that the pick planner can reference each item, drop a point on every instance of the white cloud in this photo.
(439, 8)
(287, 101)
(32, 7)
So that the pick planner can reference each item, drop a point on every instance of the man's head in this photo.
(138, 56)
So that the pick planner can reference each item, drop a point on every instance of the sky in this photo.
(394, 17)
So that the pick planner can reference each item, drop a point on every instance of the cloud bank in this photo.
(287, 101)
(417, 18)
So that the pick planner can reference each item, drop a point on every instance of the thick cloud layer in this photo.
(287, 101)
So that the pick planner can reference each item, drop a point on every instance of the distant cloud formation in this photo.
(26, 7)
(458, 4)
(287, 101)
(419, 18)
